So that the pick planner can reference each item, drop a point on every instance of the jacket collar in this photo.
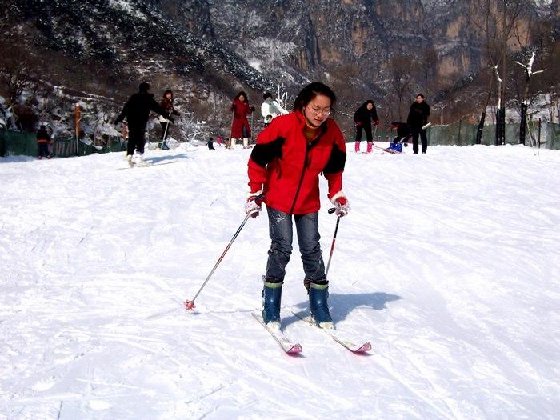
(320, 132)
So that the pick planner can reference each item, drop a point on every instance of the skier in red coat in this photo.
(240, 128)
(283, 171)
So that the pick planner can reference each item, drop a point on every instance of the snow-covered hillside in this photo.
(448, 263)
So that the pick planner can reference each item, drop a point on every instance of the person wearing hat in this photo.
(137, 112)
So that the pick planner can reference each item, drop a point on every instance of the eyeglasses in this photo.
(325, 112)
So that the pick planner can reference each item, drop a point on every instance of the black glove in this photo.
(172, 120)
(176, 113)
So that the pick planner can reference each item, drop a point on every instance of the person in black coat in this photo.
(363, 118)
(418, 118)
(43, 140)
(137, 111)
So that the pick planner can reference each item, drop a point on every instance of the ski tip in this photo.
(295, 350)
(363, 349)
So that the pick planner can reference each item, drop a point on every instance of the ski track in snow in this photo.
(448, 263)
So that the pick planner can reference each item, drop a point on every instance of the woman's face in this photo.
(317, 111)
(242, 98)
(419, 99)
(369, 106)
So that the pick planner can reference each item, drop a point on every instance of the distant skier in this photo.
(137, 111)
(240, 128)
(283, 171)
(364, 116)
(270, 108)
(417, 119)
(167, 104)
(43, 140)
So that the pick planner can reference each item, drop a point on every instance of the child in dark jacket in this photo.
(43, 140)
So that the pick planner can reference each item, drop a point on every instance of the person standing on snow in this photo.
(240, 125)
(137, 111)
(270, 108)
(43, 140)
(417, 119)
(363, 118)
(283, 171)
(167, 104)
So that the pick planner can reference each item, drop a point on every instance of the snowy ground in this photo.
(448, 263)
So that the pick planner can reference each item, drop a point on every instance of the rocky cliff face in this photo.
(208, 49)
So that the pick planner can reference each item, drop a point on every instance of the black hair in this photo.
(144, 87)
(369, 101)
(267, 95)
(311, 91)
(241, 92)
(421, 95)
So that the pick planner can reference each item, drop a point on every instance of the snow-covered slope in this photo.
(448, 263)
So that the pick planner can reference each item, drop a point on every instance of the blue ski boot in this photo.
(271, 297)
(318, 294)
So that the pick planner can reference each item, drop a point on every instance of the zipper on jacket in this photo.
(308, 146)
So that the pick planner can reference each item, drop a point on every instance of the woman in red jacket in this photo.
(283, 171)
(240, 128)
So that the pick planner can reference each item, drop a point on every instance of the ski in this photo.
(393, 152)
(289, 347)
(138, 165)
(361, 349)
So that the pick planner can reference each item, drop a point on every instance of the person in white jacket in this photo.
(271, 108)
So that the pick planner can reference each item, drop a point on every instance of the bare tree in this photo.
(500, 22)
(400, 70)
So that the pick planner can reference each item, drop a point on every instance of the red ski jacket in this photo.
(286, 167)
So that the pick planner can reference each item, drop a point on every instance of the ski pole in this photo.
(189, 304)
(252, 127)
(331, 211)
(165, 132)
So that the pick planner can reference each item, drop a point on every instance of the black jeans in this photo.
(136, 140)
(417, 131)
(367, 129)
(43, 150)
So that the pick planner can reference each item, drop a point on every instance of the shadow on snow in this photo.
(342, 304)
(163, 160)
